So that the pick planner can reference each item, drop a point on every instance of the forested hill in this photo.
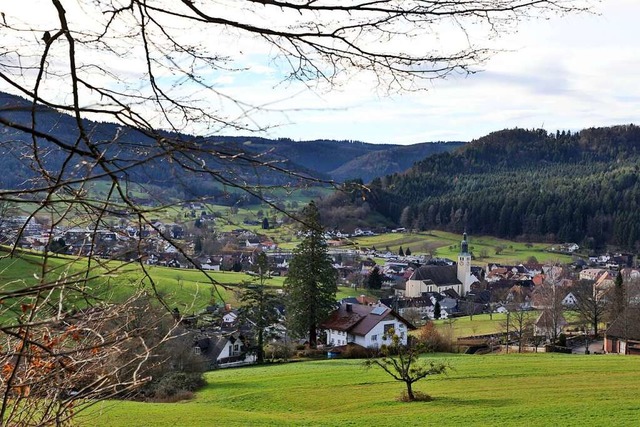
(327, 159)
(528, 184)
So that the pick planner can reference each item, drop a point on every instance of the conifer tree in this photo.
(259, 306)
(437, 310)
(374, 280)
(311, 283)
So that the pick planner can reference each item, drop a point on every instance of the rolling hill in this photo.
(526, 184)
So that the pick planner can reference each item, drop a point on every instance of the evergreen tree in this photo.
(618, 306)
(311, 283)
(437, 310)
(259, 306)
(407, 252)
(265, 223)
(374, 280)
(400, 251)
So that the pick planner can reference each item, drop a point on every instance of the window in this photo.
(197, 350)
(374, 338)
(387, 328)
(236, 347)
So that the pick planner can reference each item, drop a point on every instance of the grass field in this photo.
(447, 245)
(189, 290)
(496, 390)
(481, 324)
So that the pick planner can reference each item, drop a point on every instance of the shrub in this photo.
(174, 385)
(432, 340)
(357, 352)
(418, 396)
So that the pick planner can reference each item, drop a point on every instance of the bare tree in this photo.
(590, 305)
(551, 321)
(152, 69)
(402, 363)
(518, 324)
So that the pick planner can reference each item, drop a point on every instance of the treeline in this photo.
(526, 184)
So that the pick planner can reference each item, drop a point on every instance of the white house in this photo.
(224, 351)
(367, 326)
(570, 300)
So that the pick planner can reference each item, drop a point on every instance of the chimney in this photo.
(349, 307)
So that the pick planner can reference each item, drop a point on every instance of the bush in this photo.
(418, 397)
(173, 385)
(357, 352)
(432, 340)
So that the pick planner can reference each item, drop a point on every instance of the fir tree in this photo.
(259, 306)
(437, 310)
(311, 283)
(374, 280)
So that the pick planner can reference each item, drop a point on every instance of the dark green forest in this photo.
(527, 184)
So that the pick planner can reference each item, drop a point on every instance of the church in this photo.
(438, 278)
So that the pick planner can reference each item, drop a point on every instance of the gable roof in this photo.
(438, 274)
(360, 319)
(626, 325)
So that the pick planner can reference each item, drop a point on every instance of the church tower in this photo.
(464, 266)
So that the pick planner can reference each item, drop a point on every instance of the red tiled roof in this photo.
(360, 319)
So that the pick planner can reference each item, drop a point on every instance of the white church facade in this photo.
(438, 278)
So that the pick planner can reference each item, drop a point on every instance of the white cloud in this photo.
(571, 72)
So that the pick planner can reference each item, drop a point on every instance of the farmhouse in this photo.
(367, 326)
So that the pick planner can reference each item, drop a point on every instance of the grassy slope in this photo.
(533, 389)
(447, 245)
(190, 290)
(481, 324)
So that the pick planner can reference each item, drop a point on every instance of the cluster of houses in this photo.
(419, 288)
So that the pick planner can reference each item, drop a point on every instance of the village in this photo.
(400, 291)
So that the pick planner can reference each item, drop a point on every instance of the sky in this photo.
(561, 73)
(567, 73)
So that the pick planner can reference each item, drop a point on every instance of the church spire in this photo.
(464, 246)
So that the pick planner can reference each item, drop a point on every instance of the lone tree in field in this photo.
(311, 282)
(403, 364)
(155, 69)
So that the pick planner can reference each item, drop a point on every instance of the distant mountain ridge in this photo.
(326, 159)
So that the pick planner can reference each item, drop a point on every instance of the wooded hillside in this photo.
(528, 184)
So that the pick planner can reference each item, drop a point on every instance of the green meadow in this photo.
(188, 289)
(447, 245)
(496, 390)
(480, 324)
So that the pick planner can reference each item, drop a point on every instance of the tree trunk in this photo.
(313, 336)
(260, 349)
(410, 395)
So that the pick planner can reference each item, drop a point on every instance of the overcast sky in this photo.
(564, 73)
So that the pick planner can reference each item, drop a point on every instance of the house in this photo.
(422, 305)
(623, 336)
(591, 273)
(570, 300)
(367, 326)
(545, 323)
(224, 350)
